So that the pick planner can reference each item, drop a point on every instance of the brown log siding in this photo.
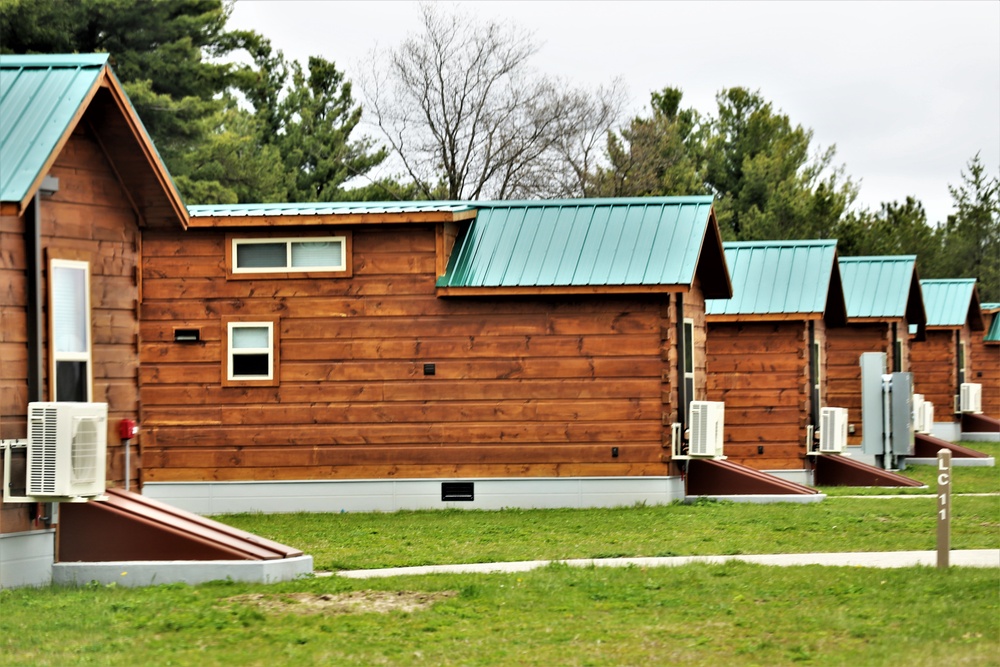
(89, 218)
(934, 365)
(761, 371)
(522, 386)
(986, 368)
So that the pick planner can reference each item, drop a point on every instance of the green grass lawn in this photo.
(732, 614)
(371, 540)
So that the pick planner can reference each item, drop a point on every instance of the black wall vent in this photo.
(458, 491)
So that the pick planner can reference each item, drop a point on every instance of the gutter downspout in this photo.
(813, 379)
(33, 252)
(681, 385)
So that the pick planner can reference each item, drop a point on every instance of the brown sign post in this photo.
(943, 508)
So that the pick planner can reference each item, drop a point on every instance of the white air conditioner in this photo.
(67, 449)
(918, 414)
(928, 419)
(832, 430)
(971, 397)
(707, 419)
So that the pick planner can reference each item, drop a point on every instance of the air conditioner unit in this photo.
(832, 430)
(67, 449)
(928, 418)
(918, 413)
(971, 397)
(707, 419)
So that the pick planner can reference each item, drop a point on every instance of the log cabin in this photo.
(883, 299)
(766, 348)
(348, 356)
(79, 181)
(942, 362)
(986, 359)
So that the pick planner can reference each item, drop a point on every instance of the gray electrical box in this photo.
(901, 411)
(872, 419)
(886, 411)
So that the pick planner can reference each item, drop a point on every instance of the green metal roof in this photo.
(949, 301)
(326, 208)
(993, 335)
(778, 277)
(882, 287)
(649, 241)
(990, 307)
(39, 98)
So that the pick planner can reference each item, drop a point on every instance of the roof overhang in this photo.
(563, 290)
(975, 319)
(712, 270)
(835, 313)
(765, 317)
(106, 111)
(348, 217)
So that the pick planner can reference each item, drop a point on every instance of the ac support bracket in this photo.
(8, 447)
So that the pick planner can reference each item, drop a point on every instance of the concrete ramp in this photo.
(130, 527)
(927, 447)
(718, 477)
(833, 470)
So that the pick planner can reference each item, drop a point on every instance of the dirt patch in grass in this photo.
(355, 602)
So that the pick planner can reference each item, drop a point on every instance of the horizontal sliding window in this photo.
(289, 255)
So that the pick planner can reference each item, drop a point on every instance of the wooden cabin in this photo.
(942, 362)
(883, 300)
(397, 355)
(79, 181)
(986, 359)
(766, 347)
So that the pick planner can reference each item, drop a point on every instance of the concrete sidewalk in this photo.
(959, 558)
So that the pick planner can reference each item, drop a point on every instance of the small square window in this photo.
(251, 353)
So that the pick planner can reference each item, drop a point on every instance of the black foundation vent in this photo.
(458, 491)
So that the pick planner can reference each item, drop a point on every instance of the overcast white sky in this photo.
(907, 91)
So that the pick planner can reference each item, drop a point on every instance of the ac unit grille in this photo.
(67, 444)
(832, 429)
(706, 428)
(84, 451)
(42, 472)
(971, 397)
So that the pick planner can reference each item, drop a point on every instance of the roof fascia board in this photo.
(835, 310)
(725, 291)
(916, 312)
(110, 81)
(763, 317)
(975, 317)
(562, 290)
(327, 219)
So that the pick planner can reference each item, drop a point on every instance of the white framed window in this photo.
(687, 351)
(251, 353)
(70, 339)
(289, 255)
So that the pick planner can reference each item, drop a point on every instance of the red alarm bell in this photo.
(127, 429)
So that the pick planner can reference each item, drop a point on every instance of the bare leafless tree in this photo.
(468, 119)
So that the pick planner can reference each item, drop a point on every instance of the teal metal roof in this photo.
(649, 241)
(949, 301)
(777, 277)
(990, 307)
(39, 98)
(879, 287)
(993, 335)
(326, 208)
